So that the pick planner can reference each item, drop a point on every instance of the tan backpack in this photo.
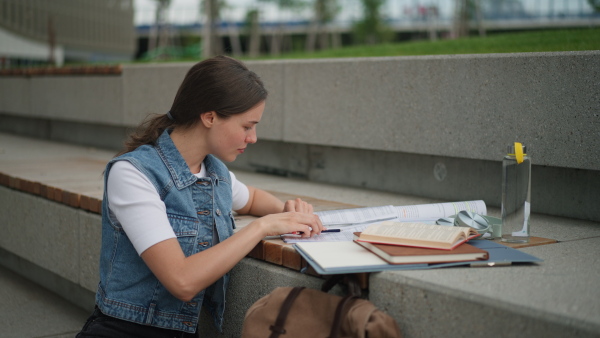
(301, 312)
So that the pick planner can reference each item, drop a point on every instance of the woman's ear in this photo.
(208, 118)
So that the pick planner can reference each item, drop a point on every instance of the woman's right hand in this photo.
(290, 222)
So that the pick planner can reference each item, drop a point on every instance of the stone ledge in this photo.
(53, 193)
(460, 106)
(62, 71)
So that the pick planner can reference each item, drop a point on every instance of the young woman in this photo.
(167, 223)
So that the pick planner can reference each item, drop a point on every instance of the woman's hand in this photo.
(303, 223)
(298, 205)
(297, 215)
(301, 206)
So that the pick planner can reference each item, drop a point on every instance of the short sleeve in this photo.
(240, 193)
(134, 201)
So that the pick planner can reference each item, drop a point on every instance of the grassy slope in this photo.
(539, 41)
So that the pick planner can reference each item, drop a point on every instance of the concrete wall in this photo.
(457, 106)
(60, 251)
(433, 126)
(58, 247)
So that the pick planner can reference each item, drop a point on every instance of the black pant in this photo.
(100, 325)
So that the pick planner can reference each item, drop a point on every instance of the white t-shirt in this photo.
(135, 202)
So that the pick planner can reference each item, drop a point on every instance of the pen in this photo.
(328, 230)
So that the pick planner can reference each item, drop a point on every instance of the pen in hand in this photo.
(328, 230)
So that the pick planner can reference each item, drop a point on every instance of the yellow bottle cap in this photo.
(519, 152)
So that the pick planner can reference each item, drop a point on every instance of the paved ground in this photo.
(28, 310)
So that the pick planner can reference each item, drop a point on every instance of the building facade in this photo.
(59, 31)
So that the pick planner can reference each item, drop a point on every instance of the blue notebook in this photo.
(329, 258)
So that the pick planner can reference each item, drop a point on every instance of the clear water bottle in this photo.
(516, 191)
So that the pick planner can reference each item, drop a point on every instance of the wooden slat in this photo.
(533, 241)
(4, 179)
(290, 258)
(91, 204)
(64, 71)
(273, 252)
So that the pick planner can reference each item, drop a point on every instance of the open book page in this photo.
(469, 232)
(357, 219)
(412, 232)
(356, 215)
(422, 212)
(348, 221)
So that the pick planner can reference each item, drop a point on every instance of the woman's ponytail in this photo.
(220, 84)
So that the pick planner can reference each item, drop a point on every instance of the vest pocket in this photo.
(183, 226)
(186, 230)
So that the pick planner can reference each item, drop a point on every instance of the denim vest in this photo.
(127, 288)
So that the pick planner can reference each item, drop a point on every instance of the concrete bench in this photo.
(431, 126)
(55, 242)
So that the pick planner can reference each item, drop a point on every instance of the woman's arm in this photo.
(262, 203)
(184, 276)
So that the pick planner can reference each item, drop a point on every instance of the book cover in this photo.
(395, 254)
(328, 258)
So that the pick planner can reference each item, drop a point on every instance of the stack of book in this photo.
(385, 238)
(413, 242)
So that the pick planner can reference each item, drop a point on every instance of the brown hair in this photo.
(220, 84)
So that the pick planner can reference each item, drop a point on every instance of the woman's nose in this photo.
(251, 138)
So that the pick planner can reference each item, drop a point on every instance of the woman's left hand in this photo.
(301, 206)
(298, 205)
(261, 203)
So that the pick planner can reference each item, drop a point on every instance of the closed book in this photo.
(397, 254)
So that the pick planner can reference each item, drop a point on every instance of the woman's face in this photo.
(230, 136)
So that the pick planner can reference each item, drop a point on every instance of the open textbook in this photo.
(417, 234)
(357, 219)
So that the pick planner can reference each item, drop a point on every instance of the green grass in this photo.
(521, 42)
(551, 40)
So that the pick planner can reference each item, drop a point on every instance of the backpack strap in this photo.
(349, 282)
(339, 316)
(278, 328)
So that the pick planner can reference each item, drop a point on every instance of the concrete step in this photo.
(59, 240)
(28, 310)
